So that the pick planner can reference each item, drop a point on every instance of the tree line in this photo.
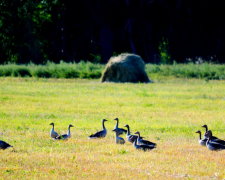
(160, 31)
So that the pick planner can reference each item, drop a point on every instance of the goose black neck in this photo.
(128, 130)
(68, 131)
(103, 124)
(53, 126)
(206, 128)
(200, 135)
(117, 122)
(138, 135)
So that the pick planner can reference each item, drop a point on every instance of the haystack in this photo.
(125, 68)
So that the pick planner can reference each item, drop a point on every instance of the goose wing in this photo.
(120, 140)
(120, 131)
(215, 146)
(145, 142)
(132, 138)
(54, 134)
(203, 142)
(99, 134)
(219, 141)
(4, 145)
(61, 137)
(144, 147)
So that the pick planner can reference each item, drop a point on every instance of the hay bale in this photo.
(125, 68)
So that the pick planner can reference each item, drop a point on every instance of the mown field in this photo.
(167, 112)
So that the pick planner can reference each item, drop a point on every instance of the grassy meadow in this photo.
(167, 112)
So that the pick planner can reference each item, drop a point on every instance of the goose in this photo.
(100, 134)
(144, 142)
(212, 145)
(206, 130)
(201, 141)
(117, 129)
(65, 136)
(129, 136)
(219, 141)
(4, 145)
(142, 147)
(53, 134)
(119, 140)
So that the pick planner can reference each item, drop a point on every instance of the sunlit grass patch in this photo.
(167, 112)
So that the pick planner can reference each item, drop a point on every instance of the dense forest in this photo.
(161, 31)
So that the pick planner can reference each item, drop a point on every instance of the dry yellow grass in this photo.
(166, 112)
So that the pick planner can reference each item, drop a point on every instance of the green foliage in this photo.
(88, 70)
(165, 57)
(85, 70)
(202, 71)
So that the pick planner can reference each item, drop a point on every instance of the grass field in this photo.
(167, 112)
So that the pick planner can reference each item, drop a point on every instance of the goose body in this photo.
(201, 141)
(131, 138)
(100, 134)
(142, 147)
(213, 146)
(119, 140)
(65, 136)
(218, 141)
(144, 142)
(53, 134)
(4, 145)
(117, 129)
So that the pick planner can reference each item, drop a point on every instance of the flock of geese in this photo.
(211, 142)
(137, 140)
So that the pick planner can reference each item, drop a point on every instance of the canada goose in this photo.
(201, 141)
(100, 134)
(206, 130)
(65, 136)
(119, 140)
(142, 147)
(144, 142)
(53, 134)
(219, 141)
(212, 145)
(117, 129)
(4, 145)
(129, 136)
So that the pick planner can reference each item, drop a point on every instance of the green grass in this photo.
(88, 70)
(167, 112)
